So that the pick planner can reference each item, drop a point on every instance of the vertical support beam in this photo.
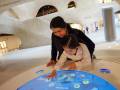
(109, 24)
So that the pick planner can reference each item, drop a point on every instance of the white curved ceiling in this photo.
(37, 29)
(6, 4)
(86, 11)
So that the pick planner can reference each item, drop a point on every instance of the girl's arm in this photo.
(57, 66)
(61, 61)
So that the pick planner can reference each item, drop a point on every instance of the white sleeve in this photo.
(61, 61)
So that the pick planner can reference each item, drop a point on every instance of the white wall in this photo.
(7, 24)
(33, 33)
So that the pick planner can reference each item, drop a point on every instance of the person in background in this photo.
(87, 29)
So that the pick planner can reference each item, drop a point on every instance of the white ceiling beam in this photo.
(6, 4)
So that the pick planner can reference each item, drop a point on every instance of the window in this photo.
(71, 4)
(3, 47)
(76, 26)
(105, 1)
(117, 12)
(47, 9)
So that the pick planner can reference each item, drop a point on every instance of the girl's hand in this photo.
(51, 63)
(72, 66)
(52, 75)
(63, 67)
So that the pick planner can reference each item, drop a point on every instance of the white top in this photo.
(81, 54)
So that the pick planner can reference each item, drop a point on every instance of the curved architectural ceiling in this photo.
(85, 11)
(6, 4)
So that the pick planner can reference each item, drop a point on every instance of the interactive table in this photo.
(68, 80)
(102, 75)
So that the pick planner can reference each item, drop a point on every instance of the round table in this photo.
(24, 78)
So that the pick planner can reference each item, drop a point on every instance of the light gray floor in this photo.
(19, 61)
(10, 70)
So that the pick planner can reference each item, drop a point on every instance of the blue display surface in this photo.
(68, 80)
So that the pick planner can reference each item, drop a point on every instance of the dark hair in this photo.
(57, 22)
(70, 41)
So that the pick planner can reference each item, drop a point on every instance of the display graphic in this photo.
(68, 80)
